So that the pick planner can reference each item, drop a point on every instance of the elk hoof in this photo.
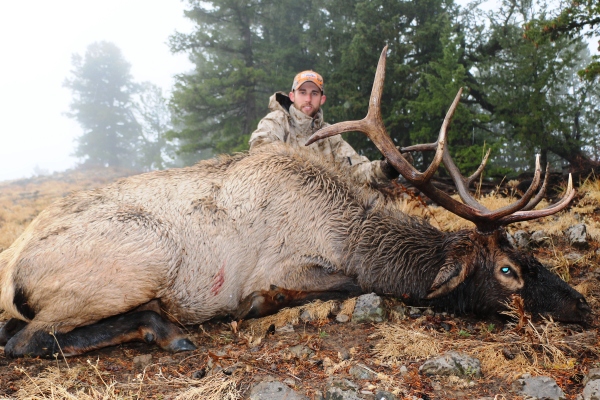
(178, 345)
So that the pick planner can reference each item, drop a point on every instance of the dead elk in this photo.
(248, 234)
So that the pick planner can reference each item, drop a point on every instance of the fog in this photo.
(37, 39)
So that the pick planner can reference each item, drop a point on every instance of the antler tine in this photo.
(479, 169)
(553, 209)
(485, 220)
(540, 195)
(372, 125)
(500, 213)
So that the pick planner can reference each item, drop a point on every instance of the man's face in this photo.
(308, 98)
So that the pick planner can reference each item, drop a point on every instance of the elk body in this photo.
(247, 234)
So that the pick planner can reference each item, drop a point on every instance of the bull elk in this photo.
(247, 234)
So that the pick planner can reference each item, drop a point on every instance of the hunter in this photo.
(295, 117)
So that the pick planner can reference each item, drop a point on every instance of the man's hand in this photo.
(389, 171)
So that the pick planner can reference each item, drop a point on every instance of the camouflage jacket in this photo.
(287, 124)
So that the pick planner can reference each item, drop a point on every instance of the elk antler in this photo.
(471, 210)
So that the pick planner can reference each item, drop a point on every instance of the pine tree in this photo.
(102, 89)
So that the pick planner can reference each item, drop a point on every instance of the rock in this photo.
(274, 391)
(383, 395)
(452, 363)
(360, 372)
(141, 362)
(290, 382)
(403, 370)
(539, 387)
(591, 391)
(428, 312)
(511, 239)
(344, 354)
(305, 316)
(399, 311)
(574, 257)
(414, 312)
(342, 318)
(539, 238)
(521, 239)
(593, 375)
(301, 351)
(369, 308)
(591, 382)
(342, 389)
(285, 329)
(199, 374)
(577, 235)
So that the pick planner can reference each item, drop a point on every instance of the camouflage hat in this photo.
(308, 76)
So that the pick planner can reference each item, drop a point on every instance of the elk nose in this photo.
(582, 305)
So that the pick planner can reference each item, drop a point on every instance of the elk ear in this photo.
(452, 274)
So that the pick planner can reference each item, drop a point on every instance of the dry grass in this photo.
(402, 342)
(522, 347)
(22, 200)
(88, 383)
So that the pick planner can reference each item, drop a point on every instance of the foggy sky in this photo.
(37, 39)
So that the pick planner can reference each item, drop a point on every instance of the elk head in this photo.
(483, 270)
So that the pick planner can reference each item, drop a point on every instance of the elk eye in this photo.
(505, 270)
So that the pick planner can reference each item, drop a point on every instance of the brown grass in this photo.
(88, 383)
(22, 200)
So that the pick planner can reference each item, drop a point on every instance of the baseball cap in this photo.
(308, 76)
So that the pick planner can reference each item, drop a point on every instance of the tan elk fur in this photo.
(247, 221)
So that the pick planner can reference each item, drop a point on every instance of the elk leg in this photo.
(10, 329)
(144, 326)
(266, 302)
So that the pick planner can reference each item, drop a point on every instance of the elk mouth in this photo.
(578, 312)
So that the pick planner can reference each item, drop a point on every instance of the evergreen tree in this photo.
(102, 89)
(413, 31)
(152, 113)
(243, 52)
(532, 93)
(580, 18)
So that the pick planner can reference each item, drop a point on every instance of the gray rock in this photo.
(141, 362)
(301, 351)
(342, 389)
(369, 308)
(403, 370)
(577, 235)
(414, 312)
(511, 239)
(574, 257)
(452, 363)
(383, 395)
(274, 391)
(591, 391)
(344, 354)
(593, 374)
(539, 387)
(539, 238)
(360, 372)
(305, 316)
(342, 318)
(521, 239)
(285, 329)
(591, 383)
